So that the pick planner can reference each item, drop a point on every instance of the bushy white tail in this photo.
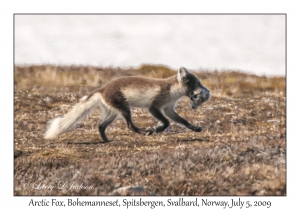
(79, 112)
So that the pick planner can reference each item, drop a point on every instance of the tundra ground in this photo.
(241, 150)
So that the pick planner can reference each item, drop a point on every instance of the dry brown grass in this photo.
(241, 150)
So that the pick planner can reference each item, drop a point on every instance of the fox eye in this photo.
(195, 96)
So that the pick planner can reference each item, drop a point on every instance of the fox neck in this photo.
(177, 89)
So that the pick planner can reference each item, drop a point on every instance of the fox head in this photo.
(197, 93)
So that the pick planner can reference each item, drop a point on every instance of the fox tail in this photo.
(79, 112)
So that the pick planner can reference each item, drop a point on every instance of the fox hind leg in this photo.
(107, 120)
(124, 110)
(126, 113)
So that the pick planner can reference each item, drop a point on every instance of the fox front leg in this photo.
(163, 121)
(169, 111)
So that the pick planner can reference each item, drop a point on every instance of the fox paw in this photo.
(149, 132)
(197, 129)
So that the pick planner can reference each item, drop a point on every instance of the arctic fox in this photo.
(159, 96)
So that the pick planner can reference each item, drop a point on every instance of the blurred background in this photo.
(249, 43)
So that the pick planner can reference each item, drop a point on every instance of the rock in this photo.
(117, 185)
(17, 153)
(132, 190)
(273, 121)
(261, 138)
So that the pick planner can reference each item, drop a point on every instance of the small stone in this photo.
(117, 185)
(129, 189)
(17, 153)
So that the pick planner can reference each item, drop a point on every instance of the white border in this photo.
(8, 8)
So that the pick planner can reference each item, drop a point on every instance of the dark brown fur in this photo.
(115, 86)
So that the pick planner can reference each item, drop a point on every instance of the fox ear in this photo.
(182, 73)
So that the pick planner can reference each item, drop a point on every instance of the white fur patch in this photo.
(52, 130)
(83, 98)
(177, 91)
(198, 91)
(103, 103)
(141, 97)
(205, 94)
(182, 72)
